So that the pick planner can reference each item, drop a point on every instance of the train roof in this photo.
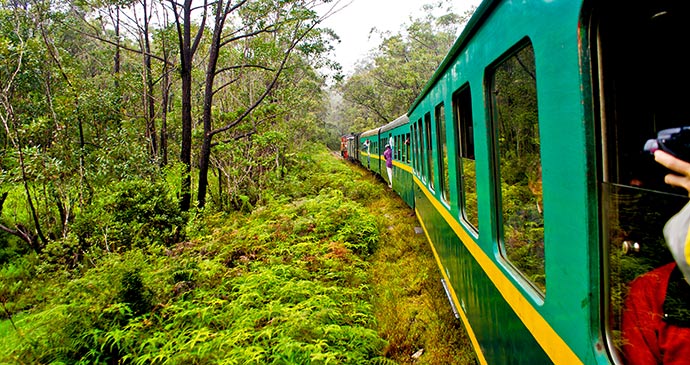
(401, 120)
(472, 26)
(371, 132)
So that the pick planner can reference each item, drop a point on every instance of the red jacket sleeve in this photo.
(642, 317)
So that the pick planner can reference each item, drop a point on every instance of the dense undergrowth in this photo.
(326, 270)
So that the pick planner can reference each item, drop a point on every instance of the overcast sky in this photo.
(353, 24)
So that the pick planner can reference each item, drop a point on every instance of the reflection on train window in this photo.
(440, 115)
(639, 97)
(429, 150)
(464, 140)
(516, 131)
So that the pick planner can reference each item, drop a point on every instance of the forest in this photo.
(163, 191)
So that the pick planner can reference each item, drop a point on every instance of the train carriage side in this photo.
(503, 186)
(353, 147)
(529, 178)
(369, 147)
(397, 134)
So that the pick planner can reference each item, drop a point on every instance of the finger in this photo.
(672, 163)
(678, 181)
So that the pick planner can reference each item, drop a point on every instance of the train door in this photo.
(639, 76)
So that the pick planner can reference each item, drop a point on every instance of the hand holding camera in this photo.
(674, 141)
(679, 166)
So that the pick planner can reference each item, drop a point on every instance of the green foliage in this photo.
(287, 283)
(130, 213)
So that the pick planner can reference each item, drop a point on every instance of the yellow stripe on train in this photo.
(550, 341)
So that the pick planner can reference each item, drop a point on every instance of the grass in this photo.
(410, 306)
(327, 270)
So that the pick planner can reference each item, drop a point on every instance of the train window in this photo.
(464, 140)
(440, 115)
(413, 146)
(429, 150)
(407, 147)
(420, 148)
(416, 149)
(396, 150)
(401, 148)
(518, 163)
(639, 96)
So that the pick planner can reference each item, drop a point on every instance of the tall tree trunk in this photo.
(186, 146)
(221, 13)
(187, 50)
(165, 97)
(149, 102)
(116, 67)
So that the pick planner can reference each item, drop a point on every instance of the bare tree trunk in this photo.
(148, 94)
(222, 10)
(187, 50)
(163, 152)
(116, 67)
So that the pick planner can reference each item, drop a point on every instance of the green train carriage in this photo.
(372, 145)
(529, 177)
(397, 134)
(369, 155)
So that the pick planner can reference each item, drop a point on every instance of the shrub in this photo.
(131, 213)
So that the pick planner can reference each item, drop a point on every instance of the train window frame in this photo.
(442, 155)
(396, 153)
(463, 123)
(407, 143)
(523, 232)
(412, 133)
(422, 151)
(416, 158)
(429, 153)
(402, 151)
(634, 203)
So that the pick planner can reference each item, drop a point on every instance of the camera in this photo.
(675, 141)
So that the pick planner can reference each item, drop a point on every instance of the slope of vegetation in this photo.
(318, 274)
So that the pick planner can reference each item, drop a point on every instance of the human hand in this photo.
(677, 165)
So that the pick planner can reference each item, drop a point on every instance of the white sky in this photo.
(353, 24)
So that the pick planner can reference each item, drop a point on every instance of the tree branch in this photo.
(296, 40)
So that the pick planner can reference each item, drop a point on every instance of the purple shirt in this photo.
(388, 154)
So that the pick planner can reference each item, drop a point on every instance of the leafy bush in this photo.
(135, 213)
(286, 283)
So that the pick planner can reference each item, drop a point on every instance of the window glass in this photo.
(420, 147)
(440, 115)
(640, 98)
(408, 141)
(429, 150)
(416, 150)
(404, 151)
(518, 166)
(464, 140)
(413, 147)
